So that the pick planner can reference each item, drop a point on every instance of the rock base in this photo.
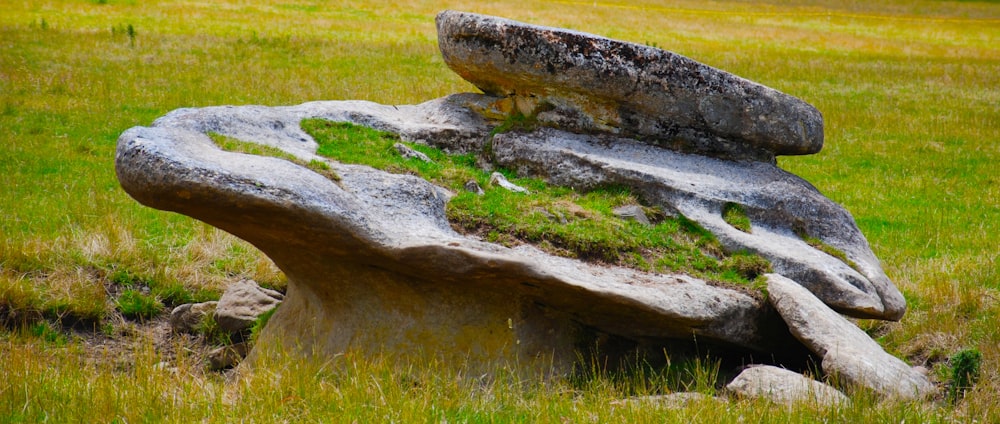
(382, 313)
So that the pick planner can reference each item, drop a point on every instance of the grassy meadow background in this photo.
(910, 92)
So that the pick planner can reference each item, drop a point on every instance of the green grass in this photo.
(373, 389)
(825, 248)
(134, 304)
(909, 92)
(734, 215)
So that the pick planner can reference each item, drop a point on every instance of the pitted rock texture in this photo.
(587, 83)
(781, 208)
(187, 317)
(373, 264)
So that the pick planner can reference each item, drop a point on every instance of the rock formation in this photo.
(372, 260)
(374, 265)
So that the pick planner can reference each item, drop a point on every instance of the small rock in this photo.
(782, 386)
(497, 178)
(185, 318)
(473, 187)
(409, 153)
(632, 213)
(227, 356)
(242, 303)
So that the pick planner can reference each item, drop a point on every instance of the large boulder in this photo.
(373, 264)
(589, 83)
(847, 353)
(660, 99)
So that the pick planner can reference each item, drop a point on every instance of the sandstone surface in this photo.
(187, 317)
(241, 304)
(781, 207)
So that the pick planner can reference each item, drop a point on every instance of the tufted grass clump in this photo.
(557, 219)
(135, 304)
(966, 367)
(735, 215)
(48, 332)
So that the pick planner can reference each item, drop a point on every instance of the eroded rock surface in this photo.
(241, 304)
(186, 318)
(373, 262)
(588, 83)
(781, 207)
(846, 351)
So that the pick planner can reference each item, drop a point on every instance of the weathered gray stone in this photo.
(373, 264)
(779, 205)
(409, 153)
(186, 318)
(632, 212)
(847, 353)
(587, 83)
(242, 303)
(448, 123)
(782, 386)
(472, 186)
(498, 179)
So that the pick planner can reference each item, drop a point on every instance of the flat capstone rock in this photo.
(587, 83)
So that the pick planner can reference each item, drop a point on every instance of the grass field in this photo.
(910, 92)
